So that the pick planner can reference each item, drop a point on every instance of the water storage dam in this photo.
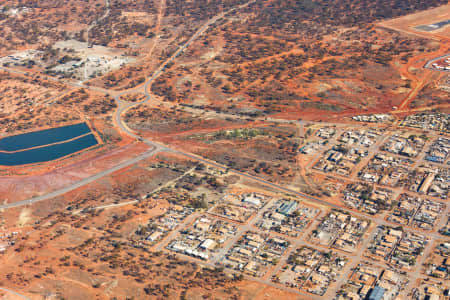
(45, 145)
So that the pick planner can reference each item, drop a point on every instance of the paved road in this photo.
(430, 62)
(296, 244)
(82, 182)
(355, 260)
(174, 233)
(416, 273)
(302, 295)
(242, 230)
(14, 293)
(124, 106)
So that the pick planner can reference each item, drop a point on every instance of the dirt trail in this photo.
(420, 83)
(424, 108)
(412, 95)
(278, 55)
(162, 7)
(107, 10)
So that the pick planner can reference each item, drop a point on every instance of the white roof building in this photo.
(208, 244)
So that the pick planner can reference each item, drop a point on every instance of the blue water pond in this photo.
(43, 137)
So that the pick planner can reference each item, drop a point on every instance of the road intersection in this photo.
(156, 147)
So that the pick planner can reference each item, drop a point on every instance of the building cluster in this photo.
(287, 217)
(374, 118)
(369, 281)
(20, 56)
(438, 263)
(203, 239)
(445, 230)
(437, 122)
(397, 179)
(367, 197)
(340, 159)
(161, 226)
(326, 133)
(255, 253)
(442, 64)
(416, 211)
(397, 247)
(340, 230)
(386, 169)
(313, 147)
(431, 291)
(311, 270)
(8, 239)
(430, 180)
(360, 138)
(439, 151)
(239, 207)
(407, 146)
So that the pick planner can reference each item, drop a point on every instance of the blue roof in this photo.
(433, 158)
(377, 293)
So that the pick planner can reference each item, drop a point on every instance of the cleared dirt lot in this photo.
(409, 23)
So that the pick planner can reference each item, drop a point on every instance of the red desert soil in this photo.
(408, 23)
(16, 188)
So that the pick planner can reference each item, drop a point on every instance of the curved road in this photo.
(157, 147)
(123, 106)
